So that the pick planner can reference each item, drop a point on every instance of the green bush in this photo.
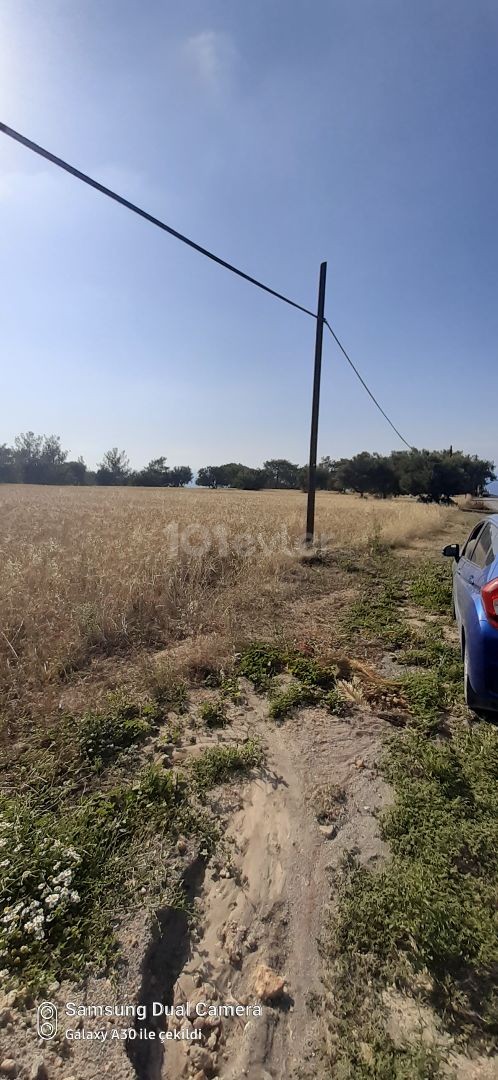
(259, 662)
(219, 763)
(214, 713)
(294, 697)
(123, 723)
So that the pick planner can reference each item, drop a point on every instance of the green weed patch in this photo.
(214, 713)
(124, 722)
(219, 763)
(433, 907)
(431, 587)
(259, 662)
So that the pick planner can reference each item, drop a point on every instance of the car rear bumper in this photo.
(483, 650)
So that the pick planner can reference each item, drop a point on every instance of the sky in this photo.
(277, 134)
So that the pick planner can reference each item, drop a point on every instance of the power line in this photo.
(363, 383)
(40, 150)
(85, 179)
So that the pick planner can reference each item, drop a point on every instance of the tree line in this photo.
(40, 459)
(429, 474)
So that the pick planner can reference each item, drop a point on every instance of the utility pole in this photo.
(310, 513)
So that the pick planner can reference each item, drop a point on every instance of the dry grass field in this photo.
(98, 572)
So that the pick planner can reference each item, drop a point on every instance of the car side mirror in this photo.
(452, 551)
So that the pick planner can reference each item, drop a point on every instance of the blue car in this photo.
(475, 599)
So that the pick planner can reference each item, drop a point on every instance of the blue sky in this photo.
(363, 132)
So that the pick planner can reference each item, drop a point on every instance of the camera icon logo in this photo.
(46, 1020)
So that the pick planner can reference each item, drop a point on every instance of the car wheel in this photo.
(470, 697)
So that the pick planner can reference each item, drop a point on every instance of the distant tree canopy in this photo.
(232, 475)
(40, 459)
(281, 473)
(429, 474)
(157, 474)
(114, 468)
(433, 474)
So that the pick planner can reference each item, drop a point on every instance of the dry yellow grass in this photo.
(92, 571)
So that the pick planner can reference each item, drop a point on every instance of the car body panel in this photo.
(476, 632)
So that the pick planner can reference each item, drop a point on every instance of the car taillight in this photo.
(489, 595)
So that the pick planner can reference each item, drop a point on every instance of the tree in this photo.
(383, 478)
(180, 475)
(155, 474)
(434, 474)
(226, 475)
(332, 471)
(40, 458)
(114, 468)
(74, 472)
(207, 477)
(9, 469)
(356, 473)
(232, 475)
(249, 479)
(281, 473)
(324, 476)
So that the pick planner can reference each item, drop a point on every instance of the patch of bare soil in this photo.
(408, 1019)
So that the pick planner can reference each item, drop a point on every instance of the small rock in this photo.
(207, 1023)
(7, 1001)
(202, 1059)
(198, 980)
(328, 831)
(212, 1041)
(181, 845)
(367, 1053)
(38, 1070)
(5, 1017)
(8, 1067)
(359, 763)
(267, 984)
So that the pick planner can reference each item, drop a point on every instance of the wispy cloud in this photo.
(211, 56)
